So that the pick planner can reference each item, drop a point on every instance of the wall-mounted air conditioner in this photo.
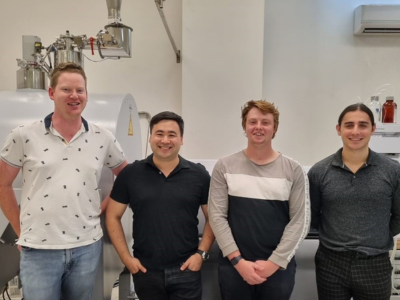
(377, 20)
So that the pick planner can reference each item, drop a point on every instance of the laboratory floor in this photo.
(15, 292)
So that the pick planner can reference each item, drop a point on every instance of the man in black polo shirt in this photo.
(164, 192)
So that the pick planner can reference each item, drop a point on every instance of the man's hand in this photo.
(134, 265)
(269, 268)
(194, 263)
(249, 272)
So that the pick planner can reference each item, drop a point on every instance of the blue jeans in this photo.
(168, 284)
(277, 287)
(51, 274)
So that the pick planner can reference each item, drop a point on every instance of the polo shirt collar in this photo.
(183, 163)
(338, 162)
(47, 122)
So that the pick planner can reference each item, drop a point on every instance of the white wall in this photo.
(312, 68)
(152, 75)
(302, 55)
(222, 68)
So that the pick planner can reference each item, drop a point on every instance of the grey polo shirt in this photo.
(356, 211)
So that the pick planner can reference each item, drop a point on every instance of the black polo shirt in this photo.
(164, 209)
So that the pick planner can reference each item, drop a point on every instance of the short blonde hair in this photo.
(265, 107)
(68, 67)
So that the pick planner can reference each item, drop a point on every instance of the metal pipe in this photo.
(114, 10)
(159, 4)
(148, 118)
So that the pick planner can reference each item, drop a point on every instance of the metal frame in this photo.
(159, 4)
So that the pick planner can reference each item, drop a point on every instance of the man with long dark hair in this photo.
(355, 201)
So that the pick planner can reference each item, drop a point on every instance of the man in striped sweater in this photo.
(259, 212)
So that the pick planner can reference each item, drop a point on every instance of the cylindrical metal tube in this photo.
(31, 79)
(61, 56)
(114, 9)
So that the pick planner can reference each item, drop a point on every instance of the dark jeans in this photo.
(277, 287)
(168, 284)
(342, 275)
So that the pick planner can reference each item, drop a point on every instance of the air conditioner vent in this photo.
(377, 20)
(382, 30)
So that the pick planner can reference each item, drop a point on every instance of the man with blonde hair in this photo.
(58, 225)
(259, 212)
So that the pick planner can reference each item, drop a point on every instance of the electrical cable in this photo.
(5, 291)
(8, 295)
(107, 58)
(116, 283)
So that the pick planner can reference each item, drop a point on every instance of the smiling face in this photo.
(166, 140)
(69, 95)
(260, 127)
(355, 130)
